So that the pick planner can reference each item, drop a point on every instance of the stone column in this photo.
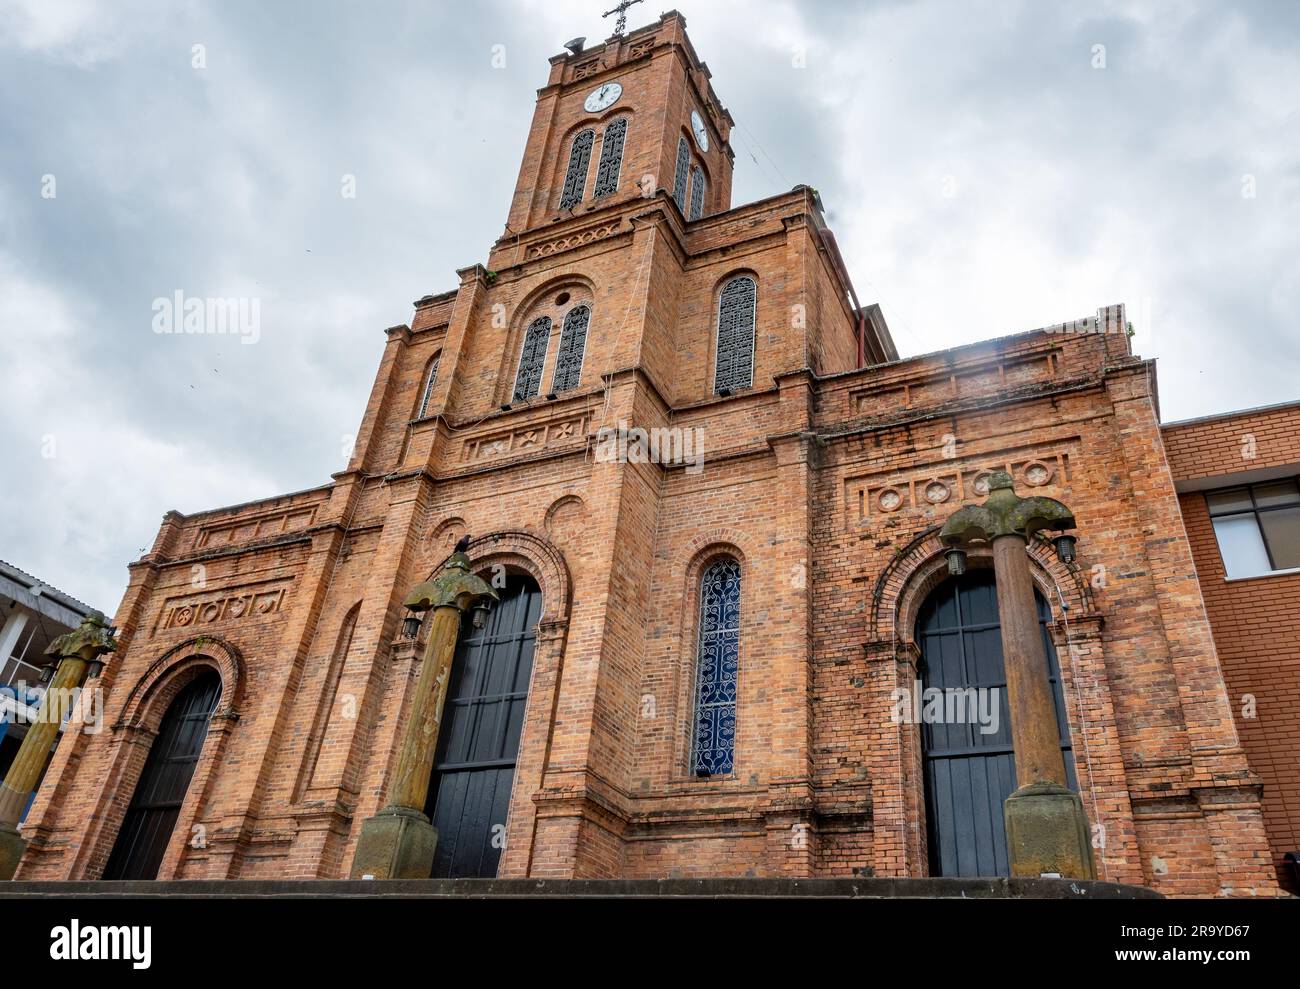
(73, 652)
(399, 841)
(1029, 693)
(1047, 830)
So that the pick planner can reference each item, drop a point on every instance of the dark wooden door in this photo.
(968, 773)
(152, 814)
(478, 743)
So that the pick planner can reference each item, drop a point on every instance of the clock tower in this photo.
(621, 121)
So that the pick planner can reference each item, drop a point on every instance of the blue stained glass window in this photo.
(716, 667)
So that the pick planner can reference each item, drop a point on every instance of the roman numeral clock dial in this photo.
(602, 97)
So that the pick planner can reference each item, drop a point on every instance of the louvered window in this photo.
(611, 158)
(683, 173)
(532, 359)
(575, 179)
(736, 311)
(573, 344)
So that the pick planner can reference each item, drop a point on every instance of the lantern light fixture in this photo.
(1065, 547)
(956, 558)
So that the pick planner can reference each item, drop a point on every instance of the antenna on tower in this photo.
(575, 46)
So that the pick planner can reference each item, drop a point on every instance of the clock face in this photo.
(701, 133)
(607, 95)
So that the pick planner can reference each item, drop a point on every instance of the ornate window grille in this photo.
(717, 663)
(611, 158)
(532, 358)
(683, 173)
(575, 179)
(429, 381)
(697, 194)
(573, 344)
(736, 312)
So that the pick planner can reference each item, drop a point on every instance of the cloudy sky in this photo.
(987, 166)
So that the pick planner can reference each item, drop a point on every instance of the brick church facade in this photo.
(627, 290)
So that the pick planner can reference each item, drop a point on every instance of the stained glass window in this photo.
(683, 173)
(429, 381)
(697, 194)
(736, 310)
(573, 343)
(611, 158)
(532, 359)
(575, 179)
(717, 662)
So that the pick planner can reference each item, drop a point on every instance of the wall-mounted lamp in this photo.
(1065, 546)
(411, 624)
(956, 561)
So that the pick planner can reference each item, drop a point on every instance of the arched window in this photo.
(429, 379)
(697, 194)
(532, 359)
(611, 158)
(478, 741)
(716, 665)
(736, 312)
(575, 179)
(151, 818)
(683, 173)
(968, 760)
(573, 344)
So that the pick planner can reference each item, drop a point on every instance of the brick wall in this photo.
(824, 480)
(1256, 624)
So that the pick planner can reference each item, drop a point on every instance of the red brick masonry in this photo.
(1256, 621)
(296, 600)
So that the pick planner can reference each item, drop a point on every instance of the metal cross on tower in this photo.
(621, 10)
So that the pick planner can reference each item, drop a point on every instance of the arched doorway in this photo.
(147, 828)
(478, 742)
(969, 772)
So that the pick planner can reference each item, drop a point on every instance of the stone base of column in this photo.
(1047, 833)
(397, 843)
(12, 846)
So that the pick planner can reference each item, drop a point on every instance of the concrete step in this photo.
(994, 888)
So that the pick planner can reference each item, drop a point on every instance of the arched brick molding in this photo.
(442, 537)
(534, 555)
(565, 519)
(173, 670)
(132, 736)
(919, 567)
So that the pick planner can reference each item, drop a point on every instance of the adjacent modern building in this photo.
(1236, 476)
(32, 614)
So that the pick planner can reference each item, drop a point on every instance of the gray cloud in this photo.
(1070, 187)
